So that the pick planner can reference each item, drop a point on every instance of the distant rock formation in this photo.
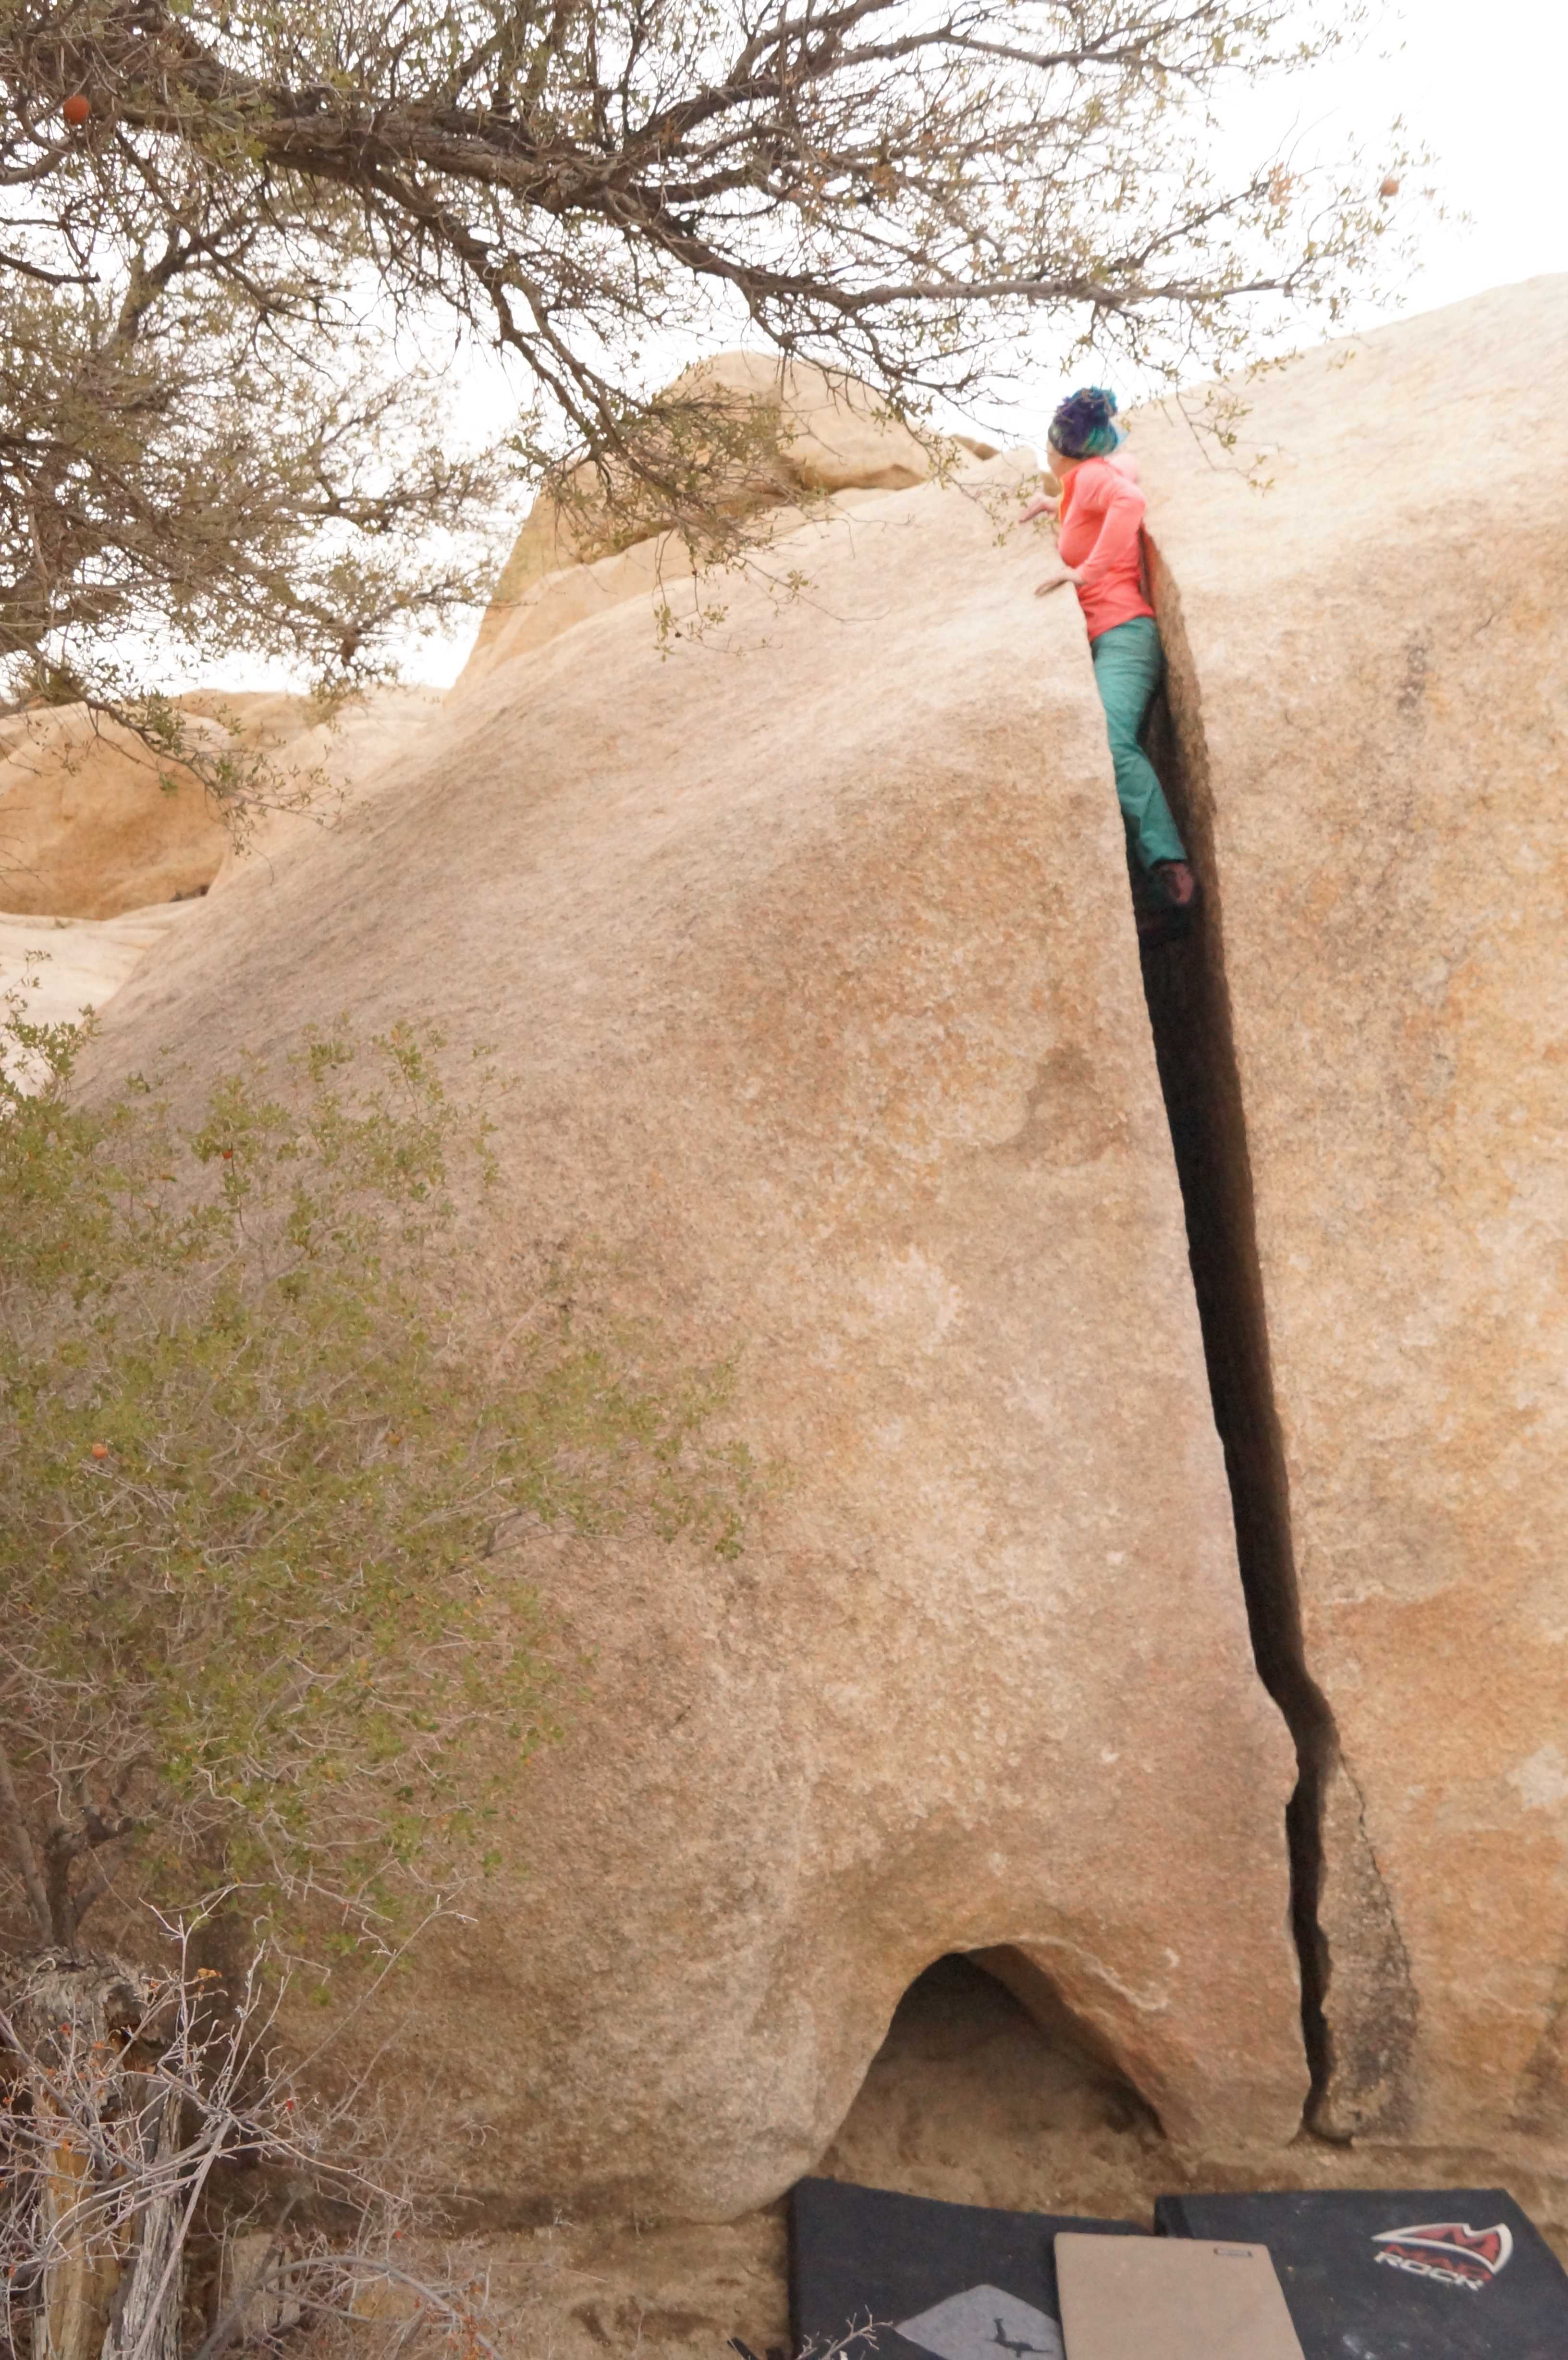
(98, 861)
(830, 445)
(86, 828)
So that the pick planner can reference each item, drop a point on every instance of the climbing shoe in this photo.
(1170, 919)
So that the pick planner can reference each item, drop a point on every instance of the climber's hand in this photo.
(1043, 504)
(1056, 582)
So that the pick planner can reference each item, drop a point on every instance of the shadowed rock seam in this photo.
(1187, 999)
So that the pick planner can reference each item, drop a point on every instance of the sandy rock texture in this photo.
(325, 769)
(1371, 663)
(810, 950)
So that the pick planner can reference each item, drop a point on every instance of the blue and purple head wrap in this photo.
(1084, 426)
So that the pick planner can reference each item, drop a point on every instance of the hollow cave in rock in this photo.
(970, 2098)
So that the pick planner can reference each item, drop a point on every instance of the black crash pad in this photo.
(1397, 2274)
(935, 2282)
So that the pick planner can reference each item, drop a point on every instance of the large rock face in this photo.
(811, 951)
(1372, 661)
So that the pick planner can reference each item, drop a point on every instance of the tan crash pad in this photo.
(1130, 2298)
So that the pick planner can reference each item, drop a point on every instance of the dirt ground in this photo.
(966, 2100)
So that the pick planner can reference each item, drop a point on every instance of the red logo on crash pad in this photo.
(1450, 2251)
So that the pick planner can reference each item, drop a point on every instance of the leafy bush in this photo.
(262, 1440)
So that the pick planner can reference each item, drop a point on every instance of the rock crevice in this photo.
(1188, 997)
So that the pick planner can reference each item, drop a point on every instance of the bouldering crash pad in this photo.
(908, 2278)
(1397, 2274)
(1179, 2300)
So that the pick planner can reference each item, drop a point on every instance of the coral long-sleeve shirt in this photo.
(1101, 537)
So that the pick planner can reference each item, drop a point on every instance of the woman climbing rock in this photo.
(1100, 543)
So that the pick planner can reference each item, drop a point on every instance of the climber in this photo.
(1100, 543)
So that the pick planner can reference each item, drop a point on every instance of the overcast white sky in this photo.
(1484, 89)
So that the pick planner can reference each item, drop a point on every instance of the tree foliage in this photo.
(262, 1452)
(894, 187)
(195, 457)
(172, 471)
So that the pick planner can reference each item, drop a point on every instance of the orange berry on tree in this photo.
(100, 1451)
(76, 110)
(1390, 187)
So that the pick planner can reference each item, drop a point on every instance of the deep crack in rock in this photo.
(1188, 997)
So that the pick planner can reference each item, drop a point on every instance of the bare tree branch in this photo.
(894, 189)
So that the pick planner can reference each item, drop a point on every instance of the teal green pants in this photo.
(1128, 662)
